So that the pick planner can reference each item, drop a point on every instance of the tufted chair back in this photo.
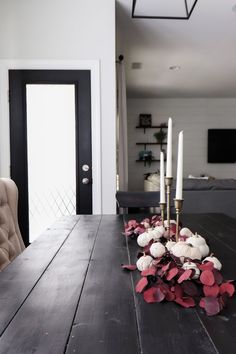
(11, 243)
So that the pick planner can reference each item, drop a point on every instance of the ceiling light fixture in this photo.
(163, 9)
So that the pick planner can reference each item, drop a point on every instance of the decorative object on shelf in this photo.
(177, 271)
(145, 120)
(146, 156)
(180, 10)
(160, 136)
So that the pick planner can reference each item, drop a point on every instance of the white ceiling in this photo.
(203, 46)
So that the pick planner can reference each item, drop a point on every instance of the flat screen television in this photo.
(221, 145)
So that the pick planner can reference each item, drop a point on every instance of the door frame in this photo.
(94, 67)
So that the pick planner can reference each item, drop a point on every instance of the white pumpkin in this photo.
(157, 249)
(181, 249)
(155, 234)
(144, 262)
(204, 249)
(160, 229)
(192, 266)
(214, 260)
(195, 253)
(196, 240)
(185, 232)
(144, 239)
(170, 244)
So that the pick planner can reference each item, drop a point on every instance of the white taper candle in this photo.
(162, 179)
(169, 149)
(179, 180)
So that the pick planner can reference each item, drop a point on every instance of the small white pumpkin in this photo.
(160, 229)
(214, 260)
(192, 266)
(157, 249)
(144, 262)
(185, 232)
(155, 234)
(144, 239)
(181, 249)
(195, 253)
(196, 240)
(204, 249)
(170, 244)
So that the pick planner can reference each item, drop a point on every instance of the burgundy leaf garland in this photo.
(166, 280)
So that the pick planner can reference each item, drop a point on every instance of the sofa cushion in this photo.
(211, 184)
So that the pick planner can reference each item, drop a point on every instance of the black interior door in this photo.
(18, 79)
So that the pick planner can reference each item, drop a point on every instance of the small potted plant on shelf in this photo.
(160, 136)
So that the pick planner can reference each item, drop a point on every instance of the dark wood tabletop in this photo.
(67, 293)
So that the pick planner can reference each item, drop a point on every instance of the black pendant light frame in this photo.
(188, 13)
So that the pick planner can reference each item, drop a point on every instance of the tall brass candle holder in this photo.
(162, 207)
(168, 182)
(178, 207)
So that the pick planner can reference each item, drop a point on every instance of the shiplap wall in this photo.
(195, 117)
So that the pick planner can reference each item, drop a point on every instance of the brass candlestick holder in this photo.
(168, 182)
(162, 207)
(178, 207)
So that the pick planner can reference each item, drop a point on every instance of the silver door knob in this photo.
(85, 181)
(85, 168)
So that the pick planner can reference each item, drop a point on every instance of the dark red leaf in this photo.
(172, 273)
(173, 228)
(207, 278)
(227, 288)
(139, 229)
(222, 301)
(202, 303)
(169, 296)
(153, 294)
(149, 271)
(211, 290)
(131, 223)
(218, 276)
(206, 266)
(186, 275)
(178, 291)
(185, 302)
(166, 267)
(211, 305)
(129, 266)
(190, 288)
(141, 285)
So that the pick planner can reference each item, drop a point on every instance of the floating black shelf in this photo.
(153, 160)
(151, 127)
(151, 143)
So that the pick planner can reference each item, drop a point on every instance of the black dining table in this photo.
(67, 293)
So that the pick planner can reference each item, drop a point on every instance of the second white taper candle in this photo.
(179, 179)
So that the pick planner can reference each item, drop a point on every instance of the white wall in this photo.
(195, 117)
(67, 30)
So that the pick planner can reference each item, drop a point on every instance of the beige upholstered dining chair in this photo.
(11, 243)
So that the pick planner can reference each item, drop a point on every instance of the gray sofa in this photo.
(210, 196)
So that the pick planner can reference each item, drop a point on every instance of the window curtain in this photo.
(122, 142)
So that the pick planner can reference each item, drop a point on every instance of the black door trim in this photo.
(18, 134)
